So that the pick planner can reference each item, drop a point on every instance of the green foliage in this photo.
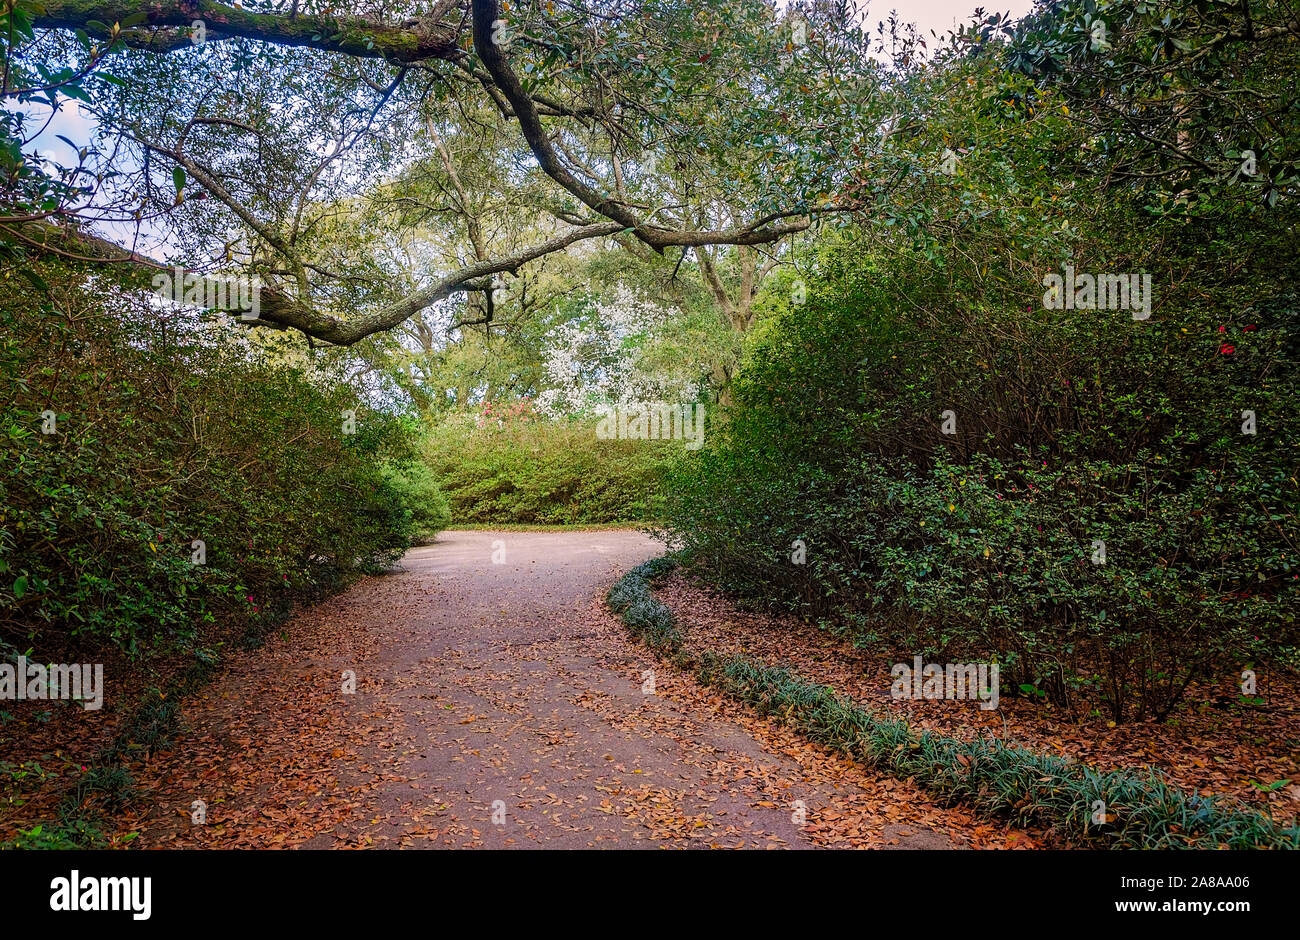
(78, 822)
(74, 835)
(26, 185)
(1072, 426)
(1175, 93)
(425, 507)
(547, 472)
(1142, 811)
(166, 434)
(109, 785)
(649, 619)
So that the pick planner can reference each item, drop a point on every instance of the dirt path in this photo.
(498, 704)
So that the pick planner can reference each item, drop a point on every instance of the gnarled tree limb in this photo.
(279, 310)
(433, 37)
(412, 41)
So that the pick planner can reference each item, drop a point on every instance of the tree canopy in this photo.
(245, 134)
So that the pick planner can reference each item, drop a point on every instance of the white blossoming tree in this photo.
(615, 355)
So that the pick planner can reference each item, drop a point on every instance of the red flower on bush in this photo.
(1226, 350)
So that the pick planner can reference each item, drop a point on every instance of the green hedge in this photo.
(546, 472)
(165, 436)
(426, 510)
(1072, 427)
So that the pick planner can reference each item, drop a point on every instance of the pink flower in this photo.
(1226, 350)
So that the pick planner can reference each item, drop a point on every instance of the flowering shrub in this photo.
(493, 416)
(600, 358)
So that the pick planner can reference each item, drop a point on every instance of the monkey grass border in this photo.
(1142, 811)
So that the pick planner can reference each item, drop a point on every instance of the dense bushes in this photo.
(548, 472)
(425, 508)
(1073, 428)
(166, 435)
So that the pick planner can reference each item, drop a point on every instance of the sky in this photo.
(942, 15)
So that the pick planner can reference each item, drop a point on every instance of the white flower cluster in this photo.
(599, 360)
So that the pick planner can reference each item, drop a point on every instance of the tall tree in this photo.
(227, 125)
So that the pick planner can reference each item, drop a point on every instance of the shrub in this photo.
(168, 433)
(546, 472)
(1073, 428)
(426, 510)
(1142, 810)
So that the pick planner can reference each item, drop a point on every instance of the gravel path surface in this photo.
(499, 704)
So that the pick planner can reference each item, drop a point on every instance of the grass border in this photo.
(1143, 811)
